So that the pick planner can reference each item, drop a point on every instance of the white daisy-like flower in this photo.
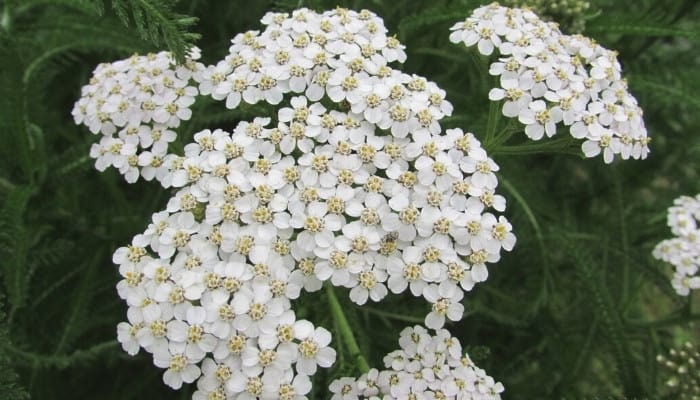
(180, 369)
(313, 347)
(446, 304)
(189, 337)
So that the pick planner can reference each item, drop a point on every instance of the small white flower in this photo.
(180, 369)
(313, 347)
(446, 303)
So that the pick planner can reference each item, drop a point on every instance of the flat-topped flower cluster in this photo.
(135, 104)
(547, 78)
(425, 367)
(683, 251)
(341, 53)
(352, 182)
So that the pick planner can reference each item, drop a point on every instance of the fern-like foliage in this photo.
(10, 388)
(14, 245)
(157, 22)
(625, 25)
(436, 16)
(608, 312)
(13, 125)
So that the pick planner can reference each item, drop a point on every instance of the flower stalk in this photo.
(492, 124)
(345, 330)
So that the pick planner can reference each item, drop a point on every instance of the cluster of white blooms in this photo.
(376, 196)
(683, 251)
(211, 278)
(341, 53)
(134, 104)
(194, 297)
(371, 196)
(547, 78)
(426, 367)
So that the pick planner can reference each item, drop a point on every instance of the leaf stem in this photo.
(346, 330)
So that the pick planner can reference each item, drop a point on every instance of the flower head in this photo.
(547, 78)
(683, 251)
(426, 366)
(134, 104)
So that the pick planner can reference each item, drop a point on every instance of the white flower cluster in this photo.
(191, 302)
(134, 104)
(548, 78)
(374, 198)
(400, 207)
(339, 53)
(683, 251)
(426, 367)
(210, 280)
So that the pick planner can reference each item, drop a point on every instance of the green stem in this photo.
(492, 124)
(345, 330)
(6, 21)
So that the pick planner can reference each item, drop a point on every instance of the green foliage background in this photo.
(579, 309)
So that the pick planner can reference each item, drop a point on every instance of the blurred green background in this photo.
(578, 310)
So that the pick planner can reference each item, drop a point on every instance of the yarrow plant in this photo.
(426, 366)
(371, 196)
(547, 79)
(682, 251)
(274, 212)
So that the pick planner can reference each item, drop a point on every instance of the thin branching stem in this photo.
(346, 330)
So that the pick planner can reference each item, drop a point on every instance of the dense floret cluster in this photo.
(353, 182)
(547, 78)
(426, 367)
(341, 53)
(135, 104)
(683, 251)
